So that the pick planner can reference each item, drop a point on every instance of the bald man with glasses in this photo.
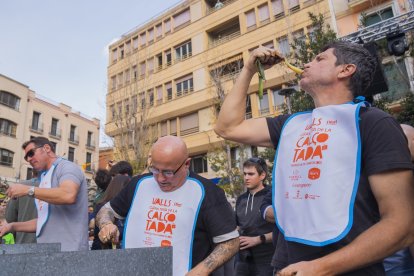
(172, 206)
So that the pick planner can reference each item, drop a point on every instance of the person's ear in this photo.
(347, 70)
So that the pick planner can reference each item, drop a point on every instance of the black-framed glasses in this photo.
(31, 153)
(165, 173)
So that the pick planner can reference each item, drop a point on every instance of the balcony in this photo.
(362, 4)
(185, 92)
(36, 128)
(55, 133)
(223, 33)
(73, 139)
(214, 5)
(264, 111)
(90, 145)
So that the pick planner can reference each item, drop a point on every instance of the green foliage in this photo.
(382, 103)
(406, 115)
(269, 155)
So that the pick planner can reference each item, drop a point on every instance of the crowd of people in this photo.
(340, 201)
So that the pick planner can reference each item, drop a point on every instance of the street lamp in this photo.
(287, 92)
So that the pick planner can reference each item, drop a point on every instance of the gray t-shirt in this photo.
(68, 224)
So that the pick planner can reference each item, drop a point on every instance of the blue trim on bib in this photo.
(133, 201)
(190, 261)
(354, 191)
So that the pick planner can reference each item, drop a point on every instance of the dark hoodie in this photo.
(251, 224)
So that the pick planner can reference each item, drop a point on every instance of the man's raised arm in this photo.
(231, 123)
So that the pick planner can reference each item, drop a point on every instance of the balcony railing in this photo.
(223, 39)
(264, 111)
(185, 92)
(90, 145)
(55, 133)
(10, 134)
(37, 128)
(189, 131)
(218, 7)
(73, 140)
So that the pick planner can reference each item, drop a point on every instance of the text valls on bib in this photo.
(158, 218)
(317, 166)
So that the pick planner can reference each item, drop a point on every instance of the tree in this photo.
(219, 157)
(132, 102)
(406, 116)
(304, 50)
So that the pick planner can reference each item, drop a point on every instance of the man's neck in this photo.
(51, 161)
(325, 96)
(257, 189)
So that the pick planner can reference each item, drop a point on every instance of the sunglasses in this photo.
(259, 161)
(31, 153)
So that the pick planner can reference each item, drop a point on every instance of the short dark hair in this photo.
(258, 163)
(352, 53)
(121, 167)
(102, 178)
(39, 141)
(117, 184)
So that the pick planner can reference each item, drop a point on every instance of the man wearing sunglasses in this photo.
(61, 199)
(171, 206)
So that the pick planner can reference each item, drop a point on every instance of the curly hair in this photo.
(366, 64)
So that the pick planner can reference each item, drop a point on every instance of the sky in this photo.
(59, 48)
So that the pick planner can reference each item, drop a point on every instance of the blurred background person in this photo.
(114, 187)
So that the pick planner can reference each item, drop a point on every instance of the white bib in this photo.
(316, 175)
(158, 218)
(42, 206)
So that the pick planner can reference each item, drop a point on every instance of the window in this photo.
(127, 47)
(198, 164)
(121, 52)
(168, 57)
(173, 127)
(119, 107)
(54, 131)
(277, 7)
(29, 173)
(127, 76)
(113, 112)
(184, 85)
(293, 5)
(6, 157)
(164, 131)
(397, 77)
(135, 43)
(114, 55)
(189, 124)
(167, 26)
(9, 100)
(151, 97)
(88, 162)
(71, 154)
(264, 104)
(183, 51)
(142, 69)
(159, 95)
(283, 45)
(278, 100)
(120, 80)
(113, 82)
(269, 45)
(248, 108)
(158, 31)
(378, 16)
(36, 125)
(250, 20)
(159, 61)
(126, 107)
(150, 35)
(72, 135)
(226, 68)
(264, 15)
(168, 88)
(8, 127)
(142, 99)
(299, 36)
(134, 100)
(181, 18)
(150, 64)
(142, 39)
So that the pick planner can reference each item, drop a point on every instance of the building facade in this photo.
(169, 75)
(23, 115)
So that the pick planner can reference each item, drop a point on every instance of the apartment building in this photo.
(174, 70)
(353, 15)
(24, 114)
